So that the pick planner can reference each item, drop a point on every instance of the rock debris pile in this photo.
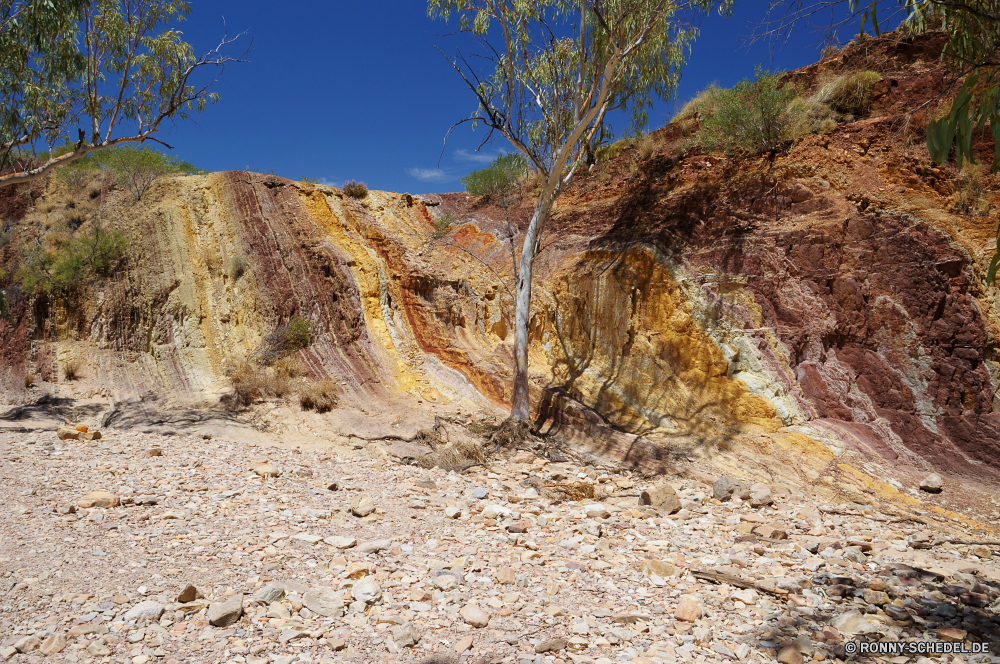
(215, 551)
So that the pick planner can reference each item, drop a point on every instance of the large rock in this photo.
(851, 623)
(269, 594)
(475, 616)
(375, 546)
(689, 609)
(324, 601)
(99, 499)
(932, 483)
(405, 635)
(267, 470)
(727, 488)
(53, 644)
(760, 495)
(148, 610)
(223, 614)
(28, 644)
(366, 591)
(662, 497)
(189, 594)
(67, 433)
(362, 505)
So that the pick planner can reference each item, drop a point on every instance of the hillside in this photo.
(819, 319)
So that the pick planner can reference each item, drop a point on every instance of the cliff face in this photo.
(829, 295)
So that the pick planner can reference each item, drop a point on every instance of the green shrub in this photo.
(609, 152)
(86, 256)
(132, 168)
(297, 334)
(443, 224)
(355, 189)
(499, 178)
(850, 93)
(751, 116)
(309, 180)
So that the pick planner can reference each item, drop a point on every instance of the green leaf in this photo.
(992, 272)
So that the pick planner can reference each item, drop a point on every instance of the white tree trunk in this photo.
(520, 406)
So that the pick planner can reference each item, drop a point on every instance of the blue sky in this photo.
(339, 90)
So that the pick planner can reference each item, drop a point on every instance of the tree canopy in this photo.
(113, 70)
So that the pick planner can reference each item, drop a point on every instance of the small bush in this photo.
(850, 93)
(443, 224)
(616, 149)
(237, 266)
(71, 369)
(71, 263)
(284, 340)
(321, 397)
(309, 180)
(132, 168)
(29, 380)
(297, 334)
(703, 105)
(751, 116)
(355, 189)
(497, 180)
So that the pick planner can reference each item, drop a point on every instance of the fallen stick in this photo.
(732, 580)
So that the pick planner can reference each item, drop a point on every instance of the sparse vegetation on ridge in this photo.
(355, 189)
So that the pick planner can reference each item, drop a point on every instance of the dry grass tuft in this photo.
(808, 116)
(72, 369)
(647, 146)
(252, 382)
(355, 189)
(457, 457)
(704, 104)
(850, 94)
(321, 397)
(29, 380)
(972, 192)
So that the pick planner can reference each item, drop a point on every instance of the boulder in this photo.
(67, 433)
(99, 499)
(405, 635)
(362, 505)
(760, 495)
(269, 594)
(223, 614)
(727, 488)
(662, 497)
(266, 470)
(148, 610)
(689, 608)
(475, 616)
(932, 483)
(324, 601)
(366, 591)
(189, 594)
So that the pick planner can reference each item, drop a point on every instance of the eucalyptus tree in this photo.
(550, 76)
(115, 70)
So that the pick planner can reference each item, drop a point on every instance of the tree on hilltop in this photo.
(549, 77)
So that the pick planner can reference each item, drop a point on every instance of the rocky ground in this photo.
(209, 550)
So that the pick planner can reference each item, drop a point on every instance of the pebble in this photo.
(608, 577)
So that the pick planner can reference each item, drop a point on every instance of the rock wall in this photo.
(683, 301)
